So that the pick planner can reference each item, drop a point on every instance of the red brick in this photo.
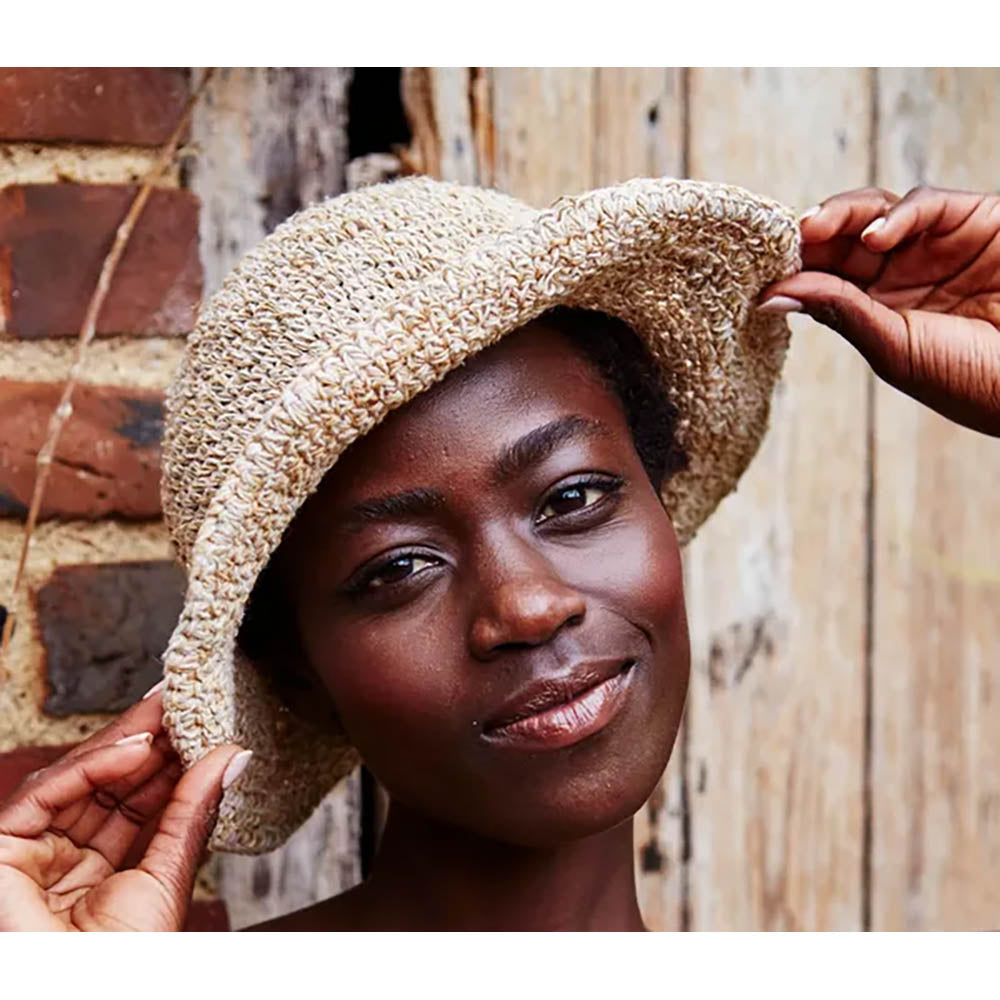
(17, 764)
(104, 628)
(207, 915)
(53, 242)
(107, 461)
(139, 106)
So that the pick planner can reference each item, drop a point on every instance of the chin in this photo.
(593, 786)
(585, 805)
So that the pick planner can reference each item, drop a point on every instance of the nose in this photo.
(523, 609)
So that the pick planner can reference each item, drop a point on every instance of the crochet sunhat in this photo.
(355, 305)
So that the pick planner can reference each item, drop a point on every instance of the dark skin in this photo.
(109, 836)
(499, 530)
(525, 537)
(913, 283)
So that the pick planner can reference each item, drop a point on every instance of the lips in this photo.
(558, 711)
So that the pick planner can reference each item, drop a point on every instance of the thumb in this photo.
(175, 851)
(878, 332)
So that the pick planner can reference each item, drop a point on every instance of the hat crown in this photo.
(306, 290)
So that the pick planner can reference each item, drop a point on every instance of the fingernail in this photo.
(781, 304)
(873, 227)
(156, 687)
(810, 212)
(136, 738)
(236, 767)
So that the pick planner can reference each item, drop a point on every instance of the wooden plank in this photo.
(453, 105)
(267, 142)
(545, 135)
(776, 579)
(442, 106)
(320, 860)
(639, 124)
(557, 131)
(936, 680)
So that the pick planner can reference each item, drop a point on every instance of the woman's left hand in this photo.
(914, 284)
(109, 836)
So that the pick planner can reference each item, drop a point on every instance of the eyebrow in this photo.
(538, 444)
(418, 502)
(528, 450)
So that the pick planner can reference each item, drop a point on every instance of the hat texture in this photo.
(354, 306)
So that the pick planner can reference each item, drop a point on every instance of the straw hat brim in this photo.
(681, 262)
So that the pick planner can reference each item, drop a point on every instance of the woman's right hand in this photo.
(110, 836)
(914, 284)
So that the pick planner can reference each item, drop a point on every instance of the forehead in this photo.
(532, 376)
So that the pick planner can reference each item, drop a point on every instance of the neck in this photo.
(433, 876)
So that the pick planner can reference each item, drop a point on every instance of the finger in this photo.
(83, 819)
(143, 839)
(878, 332)
(22, 906)
(931, 211)
(123, 825)
(44, 859)
(950, 364)
(91, 869)
(846, 256)
(33, 805)
(845, 214)
(174, 852)
(145, 716)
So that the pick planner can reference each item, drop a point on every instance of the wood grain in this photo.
(320, 860)
(936, 707)
(776, 579)
(770, 783)
(639, 124)
(268, 142)
(544, 122)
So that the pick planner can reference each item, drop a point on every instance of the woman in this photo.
(484, 592)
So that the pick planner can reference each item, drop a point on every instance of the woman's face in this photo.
(494, 551)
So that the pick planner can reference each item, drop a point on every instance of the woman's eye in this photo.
(577, 496)
(397, 569)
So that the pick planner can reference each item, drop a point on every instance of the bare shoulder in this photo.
(345, 912)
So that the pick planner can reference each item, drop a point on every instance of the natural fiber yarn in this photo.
(351, 308)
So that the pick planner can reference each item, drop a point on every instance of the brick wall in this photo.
(102, 590)
(103, 593)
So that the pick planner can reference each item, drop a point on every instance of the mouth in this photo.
(559, 712)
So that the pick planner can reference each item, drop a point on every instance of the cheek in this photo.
(639, 572)
(395, 683)
(641, 579)
(659, 590)
(657, 580)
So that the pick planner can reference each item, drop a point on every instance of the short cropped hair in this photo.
(624, 363)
